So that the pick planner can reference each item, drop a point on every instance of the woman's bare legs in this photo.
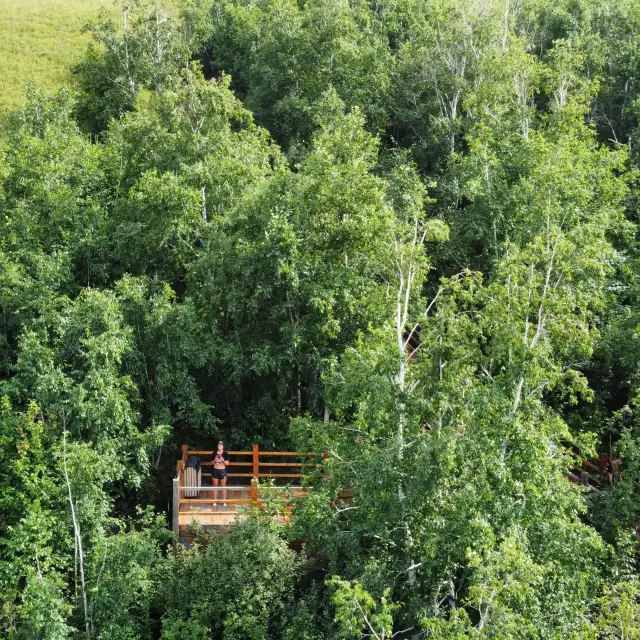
(216, 482)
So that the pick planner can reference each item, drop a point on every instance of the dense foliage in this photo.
(403, 232)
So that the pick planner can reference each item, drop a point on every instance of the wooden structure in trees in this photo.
(594, 473)
(252, 479)
(588, 474)
(250, 473)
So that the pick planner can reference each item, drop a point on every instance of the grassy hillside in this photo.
(41, 40)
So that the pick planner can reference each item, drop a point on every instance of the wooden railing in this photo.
(256, 464)
(592, 473)
(192, 502)
(204, 502)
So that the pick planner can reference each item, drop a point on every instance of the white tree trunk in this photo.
(76, 530)
(406, 272)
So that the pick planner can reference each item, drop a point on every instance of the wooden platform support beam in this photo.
(256, 461)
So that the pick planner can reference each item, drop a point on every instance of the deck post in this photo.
(256, 461)
(181, 473)
(254, 492)
(185, 453)
(175, 510)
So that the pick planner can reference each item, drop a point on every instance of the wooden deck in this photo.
(273, 477)
(255, 478)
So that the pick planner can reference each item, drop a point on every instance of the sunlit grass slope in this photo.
(41, 40)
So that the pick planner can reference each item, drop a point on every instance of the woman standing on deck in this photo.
(220, 464)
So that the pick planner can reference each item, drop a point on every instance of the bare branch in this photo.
(403, 631)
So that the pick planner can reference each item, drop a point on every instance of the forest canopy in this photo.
(402, 232)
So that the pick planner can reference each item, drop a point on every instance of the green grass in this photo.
(40, 40)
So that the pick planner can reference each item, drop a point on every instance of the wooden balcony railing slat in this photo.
(215, 501)
(280, 475)
(282, 464)
(286, 453)
(231, 453)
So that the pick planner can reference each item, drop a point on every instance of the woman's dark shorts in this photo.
(219, 474)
